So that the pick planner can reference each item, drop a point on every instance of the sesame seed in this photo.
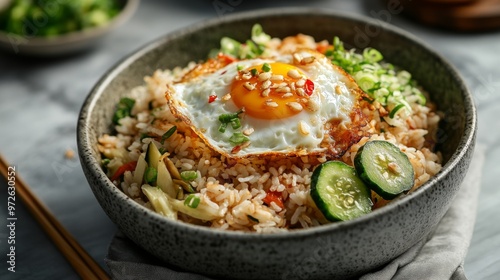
(312, 105)
(301, 82)
(265, 76)
(287, 95)
(295, 106)
(304, 129)
(266, 92)
(297, 58)
(226, 97)
(277, 78)
(338, 89)
(292, 86)
(293, 73)
(249, 86)
(266, 84)
(248, 131)
(271, 104)
(307, 60)
(247, 76)
(283, 89)
(301, 92)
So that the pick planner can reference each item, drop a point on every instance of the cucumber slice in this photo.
(338, 193)
(384, 168)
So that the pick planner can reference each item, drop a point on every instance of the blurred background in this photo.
(43, 85)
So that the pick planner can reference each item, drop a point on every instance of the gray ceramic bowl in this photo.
(67, 43)
(333, 251)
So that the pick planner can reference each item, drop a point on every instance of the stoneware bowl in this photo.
(334, 251)
(68, 43)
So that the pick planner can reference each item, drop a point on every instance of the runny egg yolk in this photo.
(271, 91)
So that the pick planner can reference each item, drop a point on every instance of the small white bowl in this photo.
(67, 43)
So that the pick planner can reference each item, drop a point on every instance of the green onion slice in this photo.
(189, 175)
(192, 201)
(150, 175)
(266, 67)
(395, 110)
(167, 134)
(238, 138)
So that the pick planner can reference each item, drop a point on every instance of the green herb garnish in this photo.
(266, 67)
(123, 109)
(238, 138)
(192, 201)
(167, 134)
(150, 175)
(189, 175)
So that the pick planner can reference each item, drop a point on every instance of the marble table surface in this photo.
(40, 99)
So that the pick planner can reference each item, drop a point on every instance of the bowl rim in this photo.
(83, 141)
(128, 9)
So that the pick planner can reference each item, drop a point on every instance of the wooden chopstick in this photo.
(79, 259)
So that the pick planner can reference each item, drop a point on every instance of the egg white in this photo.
(332, 93)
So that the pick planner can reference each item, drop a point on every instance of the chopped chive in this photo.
(150, 175)
(192, 201)
(105, 162)
(222, 127)
(167, 134)
(266, 67)
(239, 67)
(238, 138)
(254, 72)
(236, 123)
(189, 175)
(395, 110)
(123, 109)
(227, 118)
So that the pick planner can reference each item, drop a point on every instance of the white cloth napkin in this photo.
(439, 256)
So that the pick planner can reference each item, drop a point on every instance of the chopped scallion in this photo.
(189, 175)
(192, 201)
(227, 118)
(372, 55)
(150, 175)
(254, 72)
(222, 127)
(123, 109)
(238, 138)
(266, 67)
(236, 123)
(167, 134)
(395, 110)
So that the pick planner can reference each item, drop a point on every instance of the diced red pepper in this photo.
(129, 166)
(274, 197)
(322, 48)
(226, 58)
(309, 87)
(212, 98)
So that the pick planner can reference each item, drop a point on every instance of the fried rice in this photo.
(236, 189)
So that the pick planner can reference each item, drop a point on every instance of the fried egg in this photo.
(291, 105)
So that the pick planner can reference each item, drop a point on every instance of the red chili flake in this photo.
(212, 98)
(226, 58)
(236, 149)
(309, 87)
(129, 166)
(274, 197)
(223, 72)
